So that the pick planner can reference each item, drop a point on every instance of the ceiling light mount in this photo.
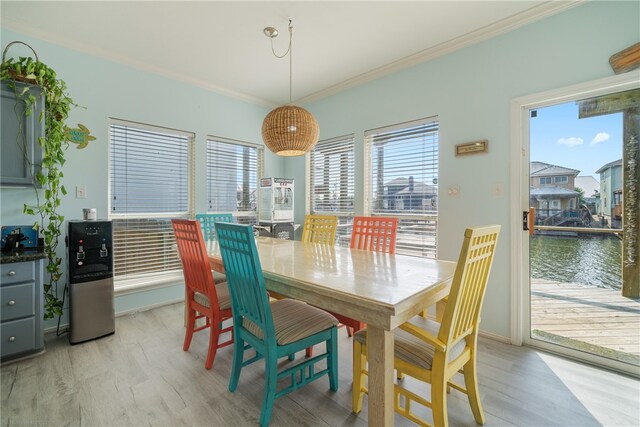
(270, 32)
(288, 130)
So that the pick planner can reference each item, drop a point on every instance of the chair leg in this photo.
(214, 336)
(271, 380)
(309, 352)
(236, 367)
(471, 384)
(439, 394)
(332, 359)
(190, 326)
(359, 360)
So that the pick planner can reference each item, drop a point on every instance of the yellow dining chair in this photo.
(434, 352)
(320, 229)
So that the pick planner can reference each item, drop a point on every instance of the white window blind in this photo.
(401, 180)
(330, 183)
(149, 184)
(233, 171)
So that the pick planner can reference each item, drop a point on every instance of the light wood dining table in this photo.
(383, 290)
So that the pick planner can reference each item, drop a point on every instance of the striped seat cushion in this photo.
(413, 350)
(224, 299)
(218, 277)
(294, 320)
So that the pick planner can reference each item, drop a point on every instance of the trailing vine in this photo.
(53, 144)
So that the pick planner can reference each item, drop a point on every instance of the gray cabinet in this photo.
(21, 155)
(21, 312)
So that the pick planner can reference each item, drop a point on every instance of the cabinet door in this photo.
(21, 155)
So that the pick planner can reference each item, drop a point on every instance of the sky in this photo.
(559, 137)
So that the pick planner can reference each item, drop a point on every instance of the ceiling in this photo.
(221, 46)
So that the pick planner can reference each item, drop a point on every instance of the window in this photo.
(330, 183)
(561, 179)
(233, 171)
(401, 180)
(545, 180)
(149, 184)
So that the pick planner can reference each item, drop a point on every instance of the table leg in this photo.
(380, 360)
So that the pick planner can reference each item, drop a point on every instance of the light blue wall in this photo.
(470, 91)
(106, 89)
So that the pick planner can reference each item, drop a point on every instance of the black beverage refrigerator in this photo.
(90, 261)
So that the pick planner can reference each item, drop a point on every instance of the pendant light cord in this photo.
(290, 53)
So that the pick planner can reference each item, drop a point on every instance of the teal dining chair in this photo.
(275, 330)
(208, 220)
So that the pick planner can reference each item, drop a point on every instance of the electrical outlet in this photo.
(453, 190)
(81, 192)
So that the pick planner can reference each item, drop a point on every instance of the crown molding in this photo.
(53, 38)
(509, 24)
(501, 27)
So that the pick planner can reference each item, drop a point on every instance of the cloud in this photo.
(600, 137)
(571, 142)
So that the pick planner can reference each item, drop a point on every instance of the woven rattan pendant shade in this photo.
(290, 131)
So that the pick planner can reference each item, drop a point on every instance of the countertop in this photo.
(22, 256)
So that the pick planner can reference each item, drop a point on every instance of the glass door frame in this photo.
(520, 327)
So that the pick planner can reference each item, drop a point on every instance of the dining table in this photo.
(383, 290)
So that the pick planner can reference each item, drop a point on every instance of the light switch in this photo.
(81, 192)
(497, 190)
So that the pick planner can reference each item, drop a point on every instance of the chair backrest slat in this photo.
(462, 313)
(194, 258)
(320, 229)
(376, 234)
(207, 222)
(249, 297)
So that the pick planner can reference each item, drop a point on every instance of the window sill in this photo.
(147, 282)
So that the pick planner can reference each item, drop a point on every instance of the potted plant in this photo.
(53, 144)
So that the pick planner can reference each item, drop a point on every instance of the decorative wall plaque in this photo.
(474, 147)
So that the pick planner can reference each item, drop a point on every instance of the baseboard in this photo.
(64, 326)
(494, 337)
(148, 307)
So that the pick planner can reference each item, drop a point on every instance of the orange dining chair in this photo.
(434, 352)
(375, 234)
(204, 298)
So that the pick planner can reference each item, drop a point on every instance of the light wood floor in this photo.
(140, 376)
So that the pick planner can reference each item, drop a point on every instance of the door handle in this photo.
(527, 220)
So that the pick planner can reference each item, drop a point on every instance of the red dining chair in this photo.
(204, 298)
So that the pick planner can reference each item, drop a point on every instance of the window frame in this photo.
(345, 217)
(124, 283)
(423, 222)
(244, 216)
(544, 180)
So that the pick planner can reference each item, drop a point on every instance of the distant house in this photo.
(611, 190)
(405, 194)
(591, 192)
(552, 189)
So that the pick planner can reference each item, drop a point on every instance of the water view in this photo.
(586, 260)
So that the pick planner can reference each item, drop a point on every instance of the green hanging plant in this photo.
(53, 144)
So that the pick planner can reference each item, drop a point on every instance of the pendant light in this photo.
(288, 130)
